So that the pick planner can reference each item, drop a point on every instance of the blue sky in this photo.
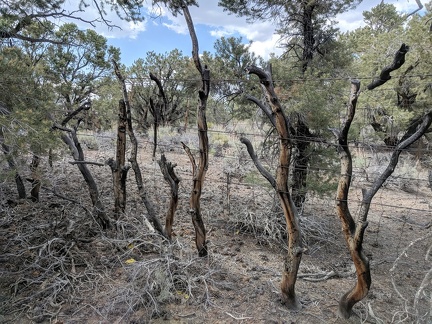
(166, 32)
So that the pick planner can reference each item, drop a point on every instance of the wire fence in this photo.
(410, 177)
(242, 194)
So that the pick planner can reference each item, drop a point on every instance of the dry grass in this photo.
(55, 265)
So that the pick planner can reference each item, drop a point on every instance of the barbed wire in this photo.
(301, 139)
(247, 80)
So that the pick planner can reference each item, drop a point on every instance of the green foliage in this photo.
(382, 18)
(231, 58)
(176, 73)
(175, 6)
(18, 15)
(323, 171)
(78, 67)
(41, 81)
(103, 115)
(305, 26)
(391, 108)
(26, 102)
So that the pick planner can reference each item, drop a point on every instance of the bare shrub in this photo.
(154, 283)
(262, 217)
(416, 300)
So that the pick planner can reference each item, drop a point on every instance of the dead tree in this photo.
(9, 158)
(151, 212)
(200, 170)
(167, 169)
(35, 180)
(157, 109)
(118, 167)
(354, 229)
(70, 138)
(280, 184)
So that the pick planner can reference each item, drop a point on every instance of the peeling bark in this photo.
(295, 248)
(118, 167)
(201, 169)
(354, 230)
(151, 213)
(167, 169)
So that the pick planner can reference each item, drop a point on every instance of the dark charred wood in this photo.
(398, 61)
(151, 212)
(167, 169)
(201, 169)
(295, 249)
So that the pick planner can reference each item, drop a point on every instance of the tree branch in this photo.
(264, 108)
(257, 163)
(398, 61)
(87, 162)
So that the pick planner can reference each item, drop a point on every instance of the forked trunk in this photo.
(295, 249)
(354, 229)
(200, 170)
(118, 167)
(151, 213)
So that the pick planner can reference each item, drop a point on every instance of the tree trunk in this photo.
(295, 249)
(12, 165)
(199, 175)
(118, 167)
(35, 181)
(300, 163)
(354, 230)
(167, 169)
(154, 109)
(78, 155)
(309, 46)
(151, 213)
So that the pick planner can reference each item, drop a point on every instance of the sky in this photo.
(161, 32)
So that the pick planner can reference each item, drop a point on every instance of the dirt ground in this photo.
(58, 267)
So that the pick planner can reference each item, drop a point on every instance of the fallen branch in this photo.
(53, 191)
(322, 276)
(87, 162)
(238, 318)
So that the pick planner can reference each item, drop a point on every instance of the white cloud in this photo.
(265, 48)
(208, 13)
(219, 23)
(223, 24)
(354, 18)
(122, 29)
